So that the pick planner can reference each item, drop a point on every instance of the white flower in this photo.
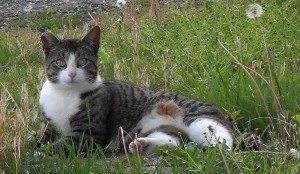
(120, 3)
(38, 154)
(28, 7)
(254, 11)
(295, 153)
(119, 20)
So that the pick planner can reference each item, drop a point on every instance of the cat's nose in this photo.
(72, 74)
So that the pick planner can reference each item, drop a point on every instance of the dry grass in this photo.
(17, 108)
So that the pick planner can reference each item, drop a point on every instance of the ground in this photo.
(12, 11)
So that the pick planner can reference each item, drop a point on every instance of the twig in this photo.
(124, 145)
(266, 152)
(251, 77)
(278, 105)
(269, 86)
(10, 96)
(137, 150)
(223, 157)
(211, 130)
(95, 20)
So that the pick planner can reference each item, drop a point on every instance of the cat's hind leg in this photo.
(208, 132)
(162, 127)
(154, 139)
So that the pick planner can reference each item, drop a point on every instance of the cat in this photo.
(78, 105)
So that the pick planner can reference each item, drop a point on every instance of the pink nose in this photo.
(72, 74)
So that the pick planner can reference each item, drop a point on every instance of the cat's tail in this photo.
(248, 141)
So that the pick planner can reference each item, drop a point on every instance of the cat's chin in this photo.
(69, 83)
(77, 85)
(72, 82)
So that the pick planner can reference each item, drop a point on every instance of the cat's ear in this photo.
(48, 40)
(92, 38)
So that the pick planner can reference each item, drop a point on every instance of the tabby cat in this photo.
(78, 105)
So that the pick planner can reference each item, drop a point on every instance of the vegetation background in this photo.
(209, 50)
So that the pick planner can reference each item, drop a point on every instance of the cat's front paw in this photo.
(140, 145)
(147, 144)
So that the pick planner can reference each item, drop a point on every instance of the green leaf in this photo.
(296, 117)
(234, 114)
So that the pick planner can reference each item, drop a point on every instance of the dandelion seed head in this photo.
(254, 11)
(295, 153)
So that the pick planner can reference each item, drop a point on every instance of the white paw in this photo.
(140, 145)
(146, 144)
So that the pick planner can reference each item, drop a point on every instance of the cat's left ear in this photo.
(48, 40)
(92, 38)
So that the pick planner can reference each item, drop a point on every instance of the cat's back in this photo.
(128, 103)
(127, 93)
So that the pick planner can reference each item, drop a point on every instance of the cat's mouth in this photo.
(72, 81)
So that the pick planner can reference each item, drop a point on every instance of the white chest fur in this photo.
(59, 104)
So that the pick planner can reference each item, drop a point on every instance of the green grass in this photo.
(178, 51)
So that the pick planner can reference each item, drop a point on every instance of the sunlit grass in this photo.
(186, 48)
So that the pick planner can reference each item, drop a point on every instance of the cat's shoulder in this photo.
(123, 88)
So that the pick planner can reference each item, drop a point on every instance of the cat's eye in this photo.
(61, 63)
(81, 62)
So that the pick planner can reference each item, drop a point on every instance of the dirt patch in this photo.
(14, 11)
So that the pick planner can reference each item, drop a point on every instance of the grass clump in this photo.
(213, 52)
(49, 20)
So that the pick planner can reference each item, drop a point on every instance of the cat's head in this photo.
(72, 62)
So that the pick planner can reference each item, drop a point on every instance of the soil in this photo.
(13, 11)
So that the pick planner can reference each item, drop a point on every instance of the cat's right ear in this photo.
(92, 38)
(48, 40)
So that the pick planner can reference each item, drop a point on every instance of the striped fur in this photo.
(95, 109)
